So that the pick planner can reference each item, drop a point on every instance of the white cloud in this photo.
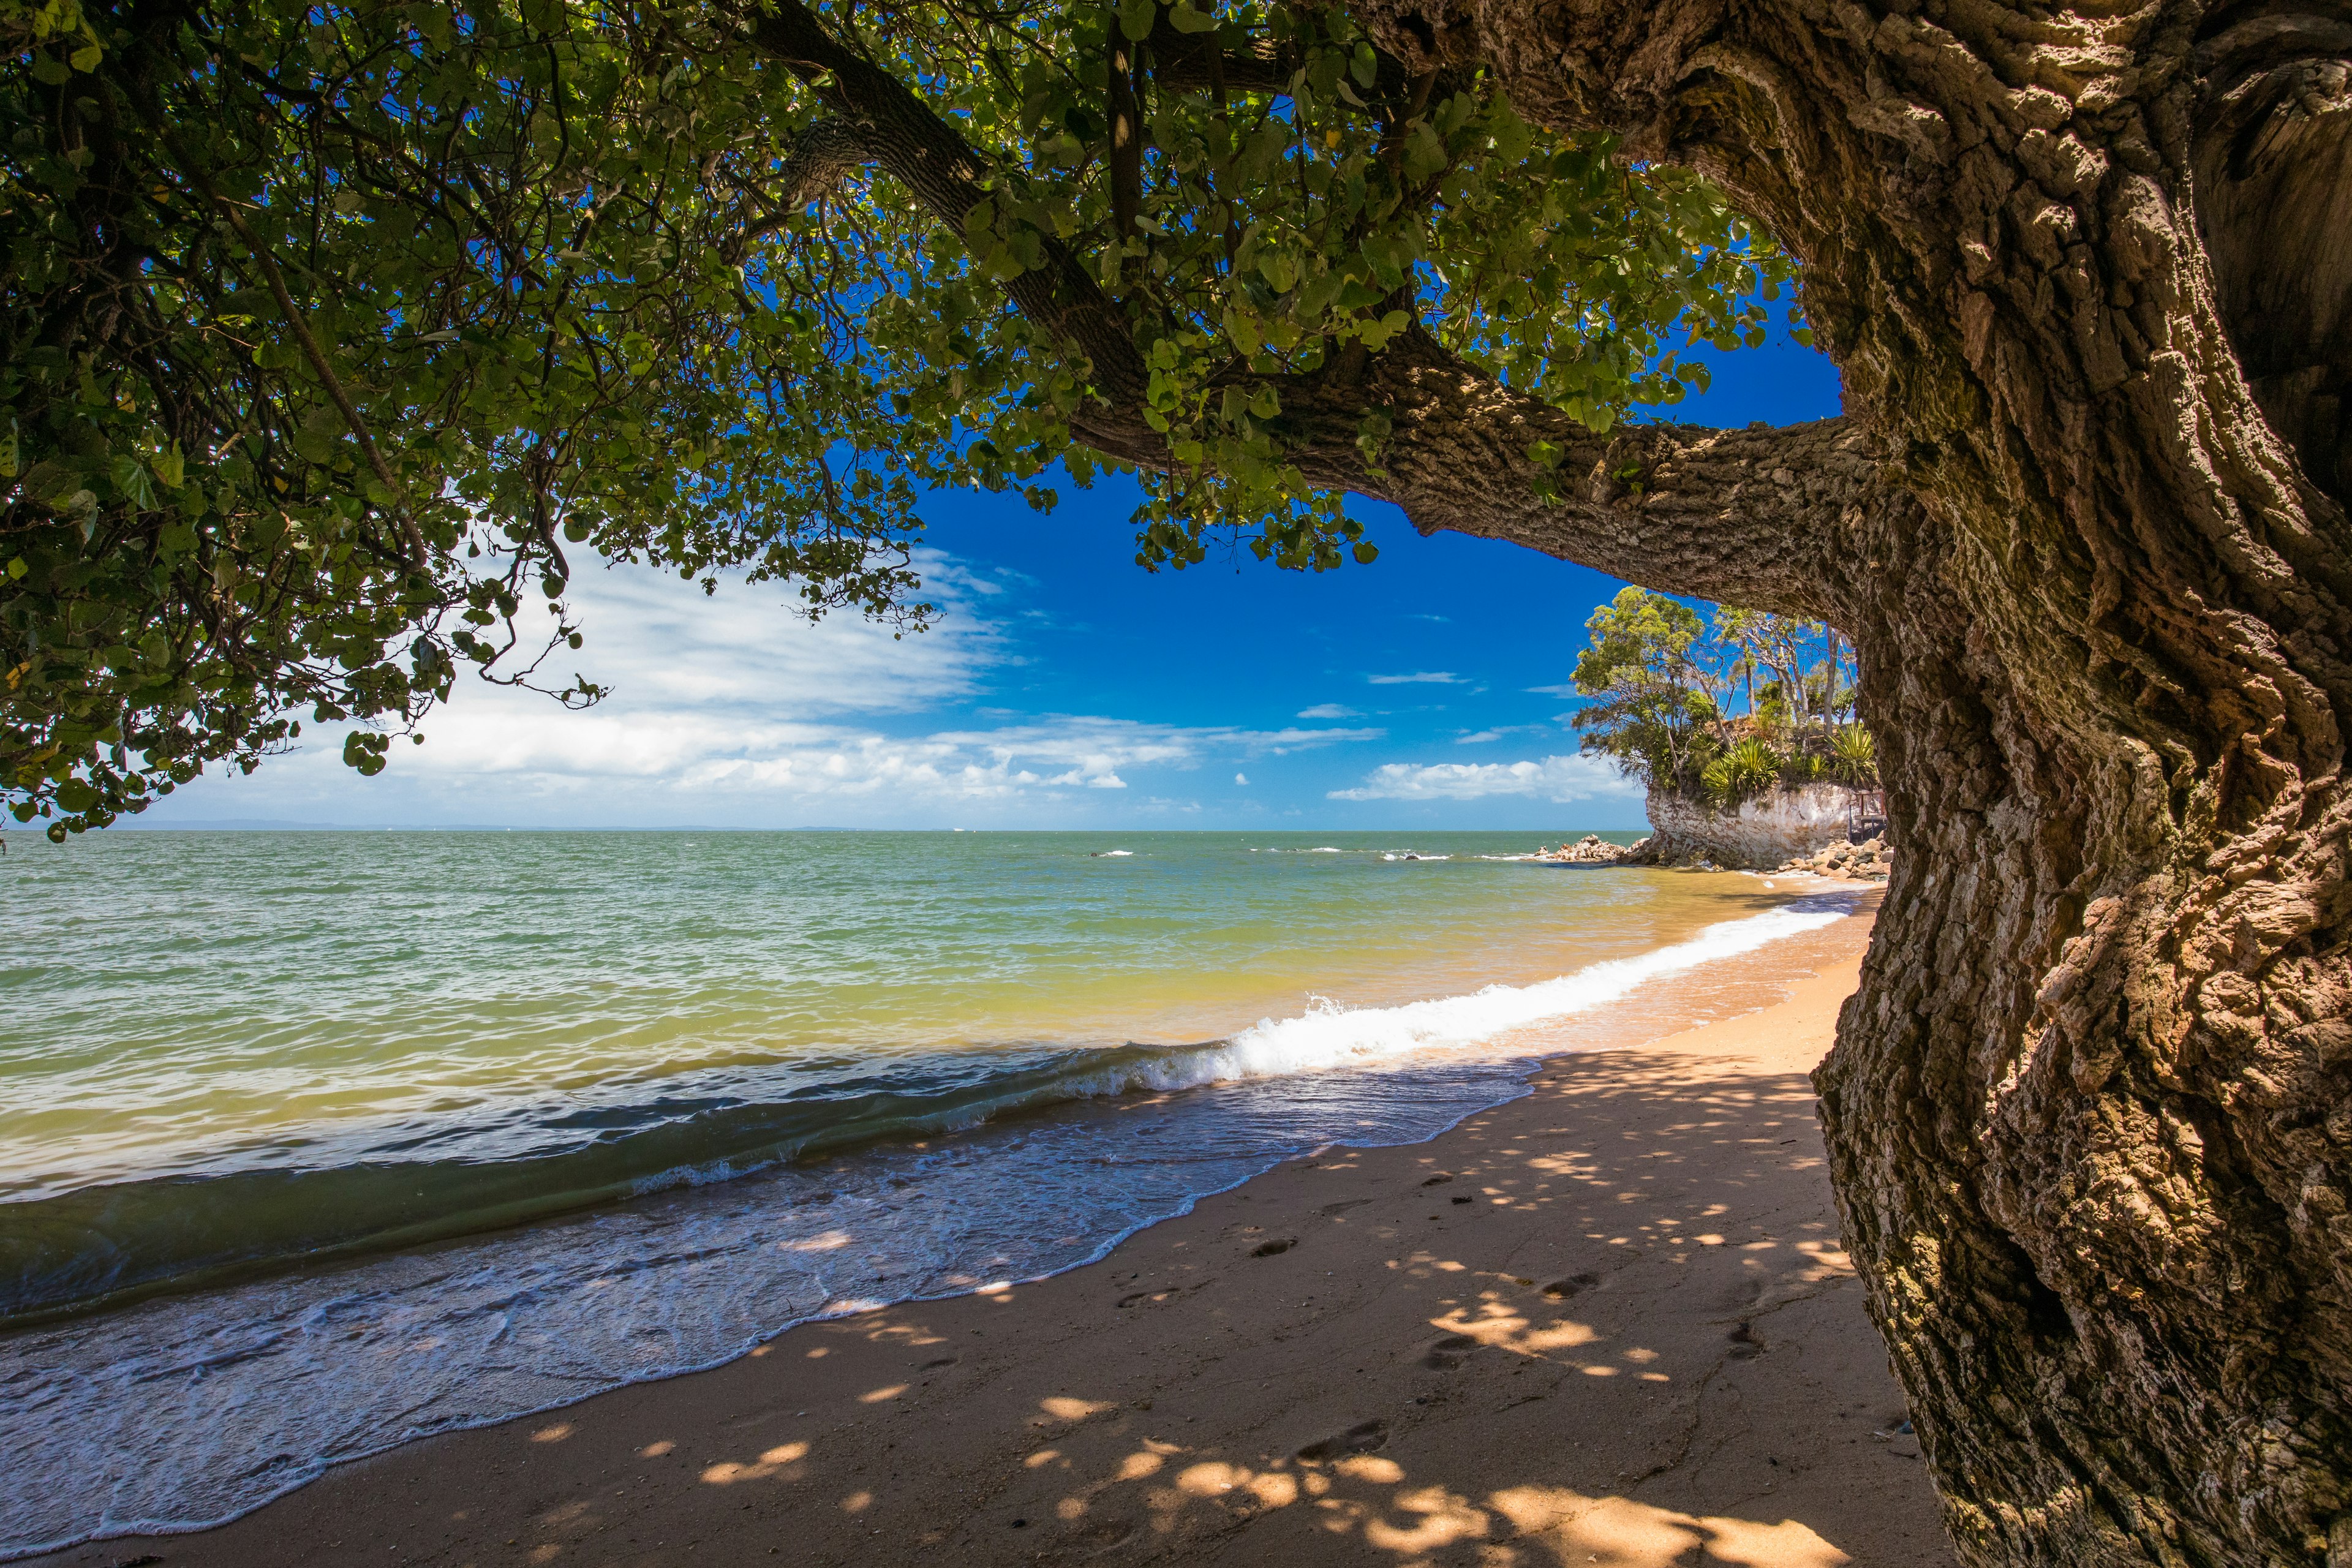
(1483, 736)
(491, 754)
(660, 642)
(1555, 691)
(1242, 779)
(1555, 778)
(1418, 678)
(731, 709)
(1328, 711)
(705, 753)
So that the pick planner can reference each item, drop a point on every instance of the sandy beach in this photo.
(1606, 1323)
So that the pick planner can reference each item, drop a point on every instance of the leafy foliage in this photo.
(1748, 767)
(1675, 700)
(331, 325)
(1854, 757)
(1653, 686)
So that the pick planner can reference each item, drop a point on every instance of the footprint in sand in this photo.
(1274, 1248)
(1743, 1294)
(1745, 1345)
(1449, 1352)
(1151, 1298)
(1361, 1438)
(1110, 1534)
(1574, 1285)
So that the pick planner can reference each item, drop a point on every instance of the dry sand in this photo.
(1607, 1323)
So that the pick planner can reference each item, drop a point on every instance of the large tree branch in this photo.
(1746, 515)
(929, 156)
(1757, 516)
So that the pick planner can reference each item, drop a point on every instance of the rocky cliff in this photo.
(1761, 834)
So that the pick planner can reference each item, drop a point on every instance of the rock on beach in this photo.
(1868, 861)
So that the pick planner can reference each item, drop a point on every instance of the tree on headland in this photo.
(1673, 699)
(2081, 267)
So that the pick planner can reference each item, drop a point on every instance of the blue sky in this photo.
(1062, 687)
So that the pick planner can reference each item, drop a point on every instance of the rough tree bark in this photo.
(2088, 274)
(2085, 272)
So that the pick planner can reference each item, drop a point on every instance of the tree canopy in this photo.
(1675, 700)
(331, 326)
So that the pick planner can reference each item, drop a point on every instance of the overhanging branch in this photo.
(1749, 516)
(1753, 516)
(931, 159)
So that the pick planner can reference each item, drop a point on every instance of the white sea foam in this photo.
(1457, 1028)
(182, 1412)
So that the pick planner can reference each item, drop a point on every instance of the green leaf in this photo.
(130, 478)
(1424, 153)
(678, 403)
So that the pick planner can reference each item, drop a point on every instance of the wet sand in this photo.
(1607, 1323)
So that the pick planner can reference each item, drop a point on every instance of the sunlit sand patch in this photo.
(1498, 1328)
(1621, 1533)
(1444, 1518)
(1371, 1468)
(1062, 1408)
(1210, 1479)
(775, 1461)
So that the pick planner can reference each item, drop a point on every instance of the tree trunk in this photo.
(2091, 1111)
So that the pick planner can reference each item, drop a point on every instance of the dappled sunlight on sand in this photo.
(1609, 1326)
(1375, 1501)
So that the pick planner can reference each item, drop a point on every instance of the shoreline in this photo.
(1479, 1375)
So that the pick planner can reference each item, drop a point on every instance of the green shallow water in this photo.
(182, 1002)
(318, 1143)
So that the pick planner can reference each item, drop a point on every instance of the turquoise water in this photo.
(572, 1109)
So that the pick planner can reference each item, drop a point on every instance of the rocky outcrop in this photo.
(1760, 834)
(1594, 851)
(1868, 861)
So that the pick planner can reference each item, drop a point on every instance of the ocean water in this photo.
(316, 1143)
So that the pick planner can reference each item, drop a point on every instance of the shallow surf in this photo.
(323, 1288)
